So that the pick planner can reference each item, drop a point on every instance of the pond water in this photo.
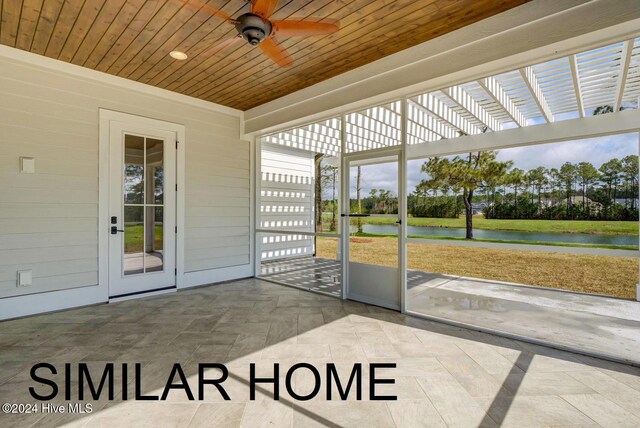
(574, 238)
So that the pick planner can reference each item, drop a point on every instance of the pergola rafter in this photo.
(446, 113)
(577, 86)
(466, 101)
(533, 85)
(627, 50)
(417, 134)
(431, 123)
(498, 94)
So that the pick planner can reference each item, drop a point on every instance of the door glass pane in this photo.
(373, 231)
(155, 157)
(133, 169)
(143, 210)
(154, 238)
(133, 239)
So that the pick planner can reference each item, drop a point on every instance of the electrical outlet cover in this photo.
(25, 278)
(27, 165)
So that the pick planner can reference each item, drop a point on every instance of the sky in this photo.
(551, 155)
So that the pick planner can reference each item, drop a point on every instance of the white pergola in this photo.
(564, 88)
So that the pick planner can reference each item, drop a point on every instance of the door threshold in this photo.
(139, 294)
(373, 301)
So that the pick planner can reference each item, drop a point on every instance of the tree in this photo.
(134, 184)
(530, 182)
(422, 190)
(588, 175)
(630, 171)
(330, 176)
(610, 173)
(555, 181)
(515, 179)
(538, 178)
(318, 191)
(385, 198)
(605, 109)
(373, 195)
(568, 174)
(466, 173)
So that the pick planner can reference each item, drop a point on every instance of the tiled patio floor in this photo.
(445, 376)
(311, 273)
(597, 325)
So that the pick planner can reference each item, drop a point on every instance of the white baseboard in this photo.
(211, 276)
(32, 304)
(39, 303)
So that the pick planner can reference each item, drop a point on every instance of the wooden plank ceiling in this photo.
(132, 39)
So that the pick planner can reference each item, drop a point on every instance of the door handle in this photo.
(399, 222)
(115, 230)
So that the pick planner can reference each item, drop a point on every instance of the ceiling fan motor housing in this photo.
(253, 28)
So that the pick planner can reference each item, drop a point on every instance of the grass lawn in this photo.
(559, 226)
(611, 276)
(134, 237)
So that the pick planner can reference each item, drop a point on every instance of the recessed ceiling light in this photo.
(180, 56)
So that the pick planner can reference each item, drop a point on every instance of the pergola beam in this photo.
(432, 124)
(627, 50)
(536, 91)
(304, 140)
(499, 95)
(446, 113)
(577, 87)
(466, 101)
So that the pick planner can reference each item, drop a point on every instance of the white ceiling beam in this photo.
(627, 49)
(446, 113)
(499, 95)
(536, 92)
(577, 87)
(432, 124)
(466, 101)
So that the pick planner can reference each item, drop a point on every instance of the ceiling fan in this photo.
(257, 29)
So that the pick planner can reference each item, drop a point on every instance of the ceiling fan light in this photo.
(180, 56)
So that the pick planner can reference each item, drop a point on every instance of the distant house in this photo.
(623, 201)
(550, 202)
(575, 200)
(579, 200)
(478, 207)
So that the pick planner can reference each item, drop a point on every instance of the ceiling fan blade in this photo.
(304, 28)
(276, 52)
(210, 10)
(213, 50)
(263, 8)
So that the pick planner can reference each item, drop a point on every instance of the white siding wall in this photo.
(49, 220)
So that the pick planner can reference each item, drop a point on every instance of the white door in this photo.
(142, 209)
(373, 227)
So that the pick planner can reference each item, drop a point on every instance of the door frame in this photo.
(106, 117)
(377, 154)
